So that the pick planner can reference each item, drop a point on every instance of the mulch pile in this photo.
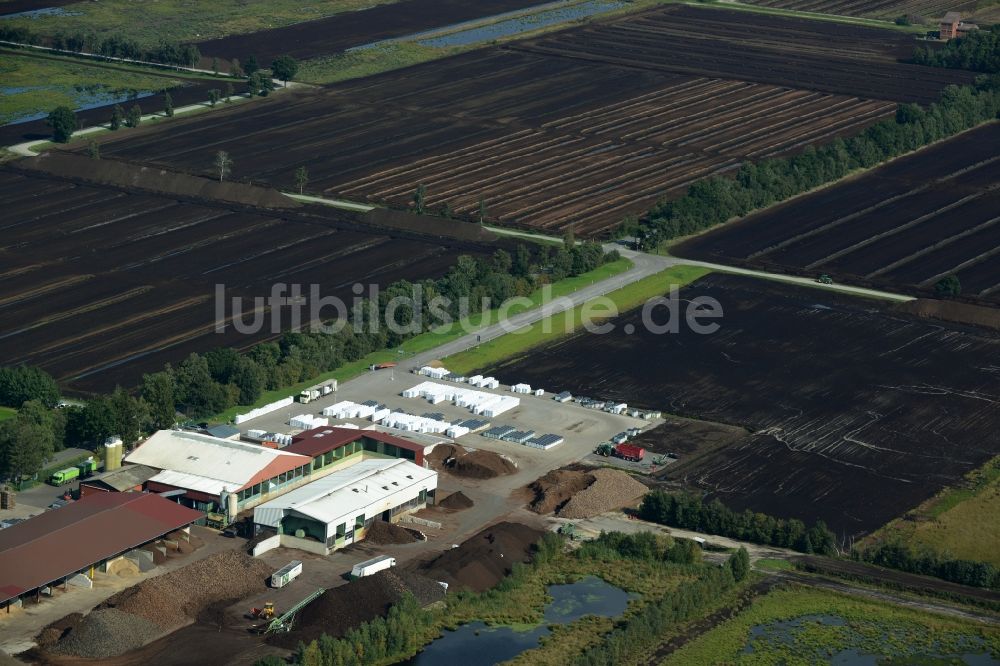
(138, 614)
(477, 464)
(611, 489)
(382, 532)
(343, 608)
(107, 632)
(553, 490)
(578, 494)
(963, 313)
(456, 502)
(486, 558)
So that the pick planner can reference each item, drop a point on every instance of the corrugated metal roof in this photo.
(60, 542)
(348, 491)
(211, 461)
(123, 479)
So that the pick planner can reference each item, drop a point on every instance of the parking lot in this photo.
(582, 428)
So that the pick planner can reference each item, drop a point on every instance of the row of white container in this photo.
(260, 411)
(308, 422)
(478, 402)
(280, 438)
(436, 373)
(484, 382)
(349, 410)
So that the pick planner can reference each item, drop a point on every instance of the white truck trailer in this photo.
(374, 565)
(286, 574)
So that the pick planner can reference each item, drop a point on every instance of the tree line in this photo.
(756, 185)
(978, 51)
(688, 511)
(205, 384)
(897, 555)
(112, 46)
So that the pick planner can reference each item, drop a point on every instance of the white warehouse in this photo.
(334, 511)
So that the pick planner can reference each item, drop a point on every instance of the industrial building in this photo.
(70, 545)
(219, 477)
(330, 446)
(334, 511)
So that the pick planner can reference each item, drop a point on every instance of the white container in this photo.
(286, 574)
(374, 565)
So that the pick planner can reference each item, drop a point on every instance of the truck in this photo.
(374, 565)
(286, 574)
(87, 467)
(308, 395)
(630, 452)
(64, 476)
(382, 366)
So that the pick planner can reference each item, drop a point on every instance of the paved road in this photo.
(644, 266)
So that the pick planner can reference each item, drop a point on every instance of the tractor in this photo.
(824, 279)
(605, 450)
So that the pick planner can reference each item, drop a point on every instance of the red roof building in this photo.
(62, 542)
(327, 445)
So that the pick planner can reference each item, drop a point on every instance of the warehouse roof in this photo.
(347, 491)
(209, 464)
(320, 440)
(61, 542)
(123, 479)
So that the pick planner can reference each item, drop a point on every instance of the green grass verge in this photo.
(45, 83)
(960, 522)
(7, 413)
(560, 325)
(868, 626)
(432, 338)
(150, 21)
(769, 564)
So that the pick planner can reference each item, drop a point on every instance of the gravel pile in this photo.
(611, 489)
(382, 532)
(456, 502)
(556, 488)
(171, 600)
(107, 632)
(343, 608)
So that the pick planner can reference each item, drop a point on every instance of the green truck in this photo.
(64, 476)
(87, 467)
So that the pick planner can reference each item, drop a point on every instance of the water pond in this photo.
(84, 97)
(476, 644)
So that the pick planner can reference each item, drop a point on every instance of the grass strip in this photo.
(565, 323)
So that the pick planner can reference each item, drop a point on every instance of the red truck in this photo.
(383, 366)
(630, 452)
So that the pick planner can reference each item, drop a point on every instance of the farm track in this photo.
(578, 129)
(903, 226)
(857, 413)
(100, 285)
(886, 9)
